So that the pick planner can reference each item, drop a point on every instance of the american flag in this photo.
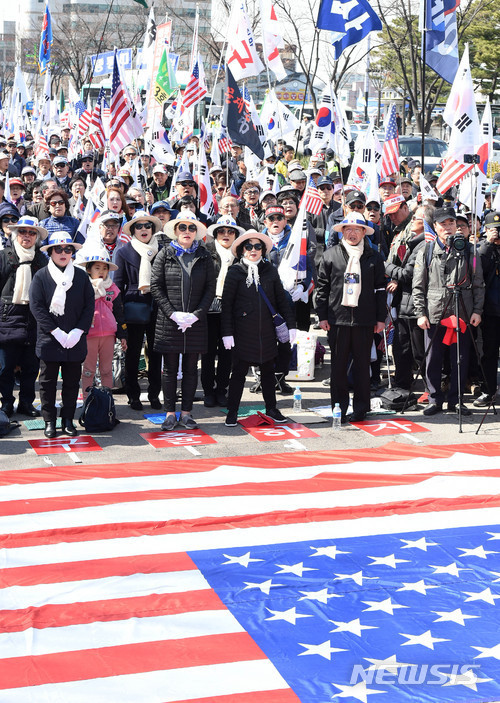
(84, 117)
(42, 147)
(453, 172)
(196, 87)
(314, 204)
(429, 234)
(123, 236)
(266, 579)
(224, 141)
(390, 152)
(387, 335)
(121, 133)
(96, 130)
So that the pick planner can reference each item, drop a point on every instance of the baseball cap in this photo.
(355, 195)
(443, 213)
(387, 182)
(160, 168)
(60, 161)
(393, 204)
(275, 210)
(492, 219)
(297, 174)
(324, 181)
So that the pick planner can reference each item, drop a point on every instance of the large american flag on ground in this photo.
(390, 152)
(307, 577)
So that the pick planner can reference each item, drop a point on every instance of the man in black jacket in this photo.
(350, 304)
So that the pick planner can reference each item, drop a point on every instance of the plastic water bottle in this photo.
(337, 417)
(297, 399)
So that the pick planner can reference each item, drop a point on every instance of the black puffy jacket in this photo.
(17, 324)
(167, 289)
(372, 299)
(245, 315)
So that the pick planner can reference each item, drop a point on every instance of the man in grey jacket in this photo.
(438, 269)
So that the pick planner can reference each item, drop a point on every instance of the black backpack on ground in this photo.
(397, 398)
(6, 425)
(98, 413)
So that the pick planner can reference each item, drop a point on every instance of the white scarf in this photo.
(147, 252)
(100, 285)
(253, 271)
(226, 259)
(63, 281)
(352, 275)
(276, 238)
(23, 274)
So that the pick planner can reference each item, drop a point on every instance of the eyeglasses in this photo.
(277, 218)
(373, 208)
(187, 228)
(111, 225)
(143, 225)
(66, 250)
(225, 230)
(9, 218)
(325, 187)
(28, 232)
(252, 191)
(249, 246)
(356, 206)
(53, 203)
(132, 206)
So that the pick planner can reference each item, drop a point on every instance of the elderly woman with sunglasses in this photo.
(62, 303)
(9, 216)
(133, 278)
(247, 323)
(183, 286)
(59, 221)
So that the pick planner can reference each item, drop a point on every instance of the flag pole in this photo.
(424, 57)
(316, 35)
(89, 81)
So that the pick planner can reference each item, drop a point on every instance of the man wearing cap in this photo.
(489, 251)
(9, 216)
(18, 264)
(87, 167)
(386, 188)
(298, 179)
(160, 187)
(354, 203)
(164, 213)
(17, 189)
(397, 217)
(184, 185)
(438, 267)
(350, 304)
(405, 188)
(60, 167)
(319, 222)
(6, 166)
(15, 160)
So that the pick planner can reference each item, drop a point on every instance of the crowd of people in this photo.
(154, 276)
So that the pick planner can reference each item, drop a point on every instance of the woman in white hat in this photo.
(247, 324)
(133, 278)
(220, 239)
(351, 306)
(62, 302)
(108, 323)
(183, 286)
(18, 264)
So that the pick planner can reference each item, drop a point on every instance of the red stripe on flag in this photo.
(229, 522)
(284, 696)
(95, 569)
(127, 659)
(109, 610)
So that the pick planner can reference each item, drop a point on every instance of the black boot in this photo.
(8, 408)
(68, 427)
(50, 429)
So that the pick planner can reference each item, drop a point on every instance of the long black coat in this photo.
(17, 324)
(78, 312)
(246, 317)
(168, 291)
(127, 275)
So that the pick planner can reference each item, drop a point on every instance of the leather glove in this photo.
(297, 292)
(74, 337)
(228, 342)
(62, 337)
(293, 337)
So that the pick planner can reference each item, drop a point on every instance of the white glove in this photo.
(190, 317)
(297, 292)
(62, 337)
(177, 317)
(228, 342)
(293, 337)
(74, 337)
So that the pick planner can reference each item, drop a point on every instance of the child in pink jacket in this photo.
(108, 323)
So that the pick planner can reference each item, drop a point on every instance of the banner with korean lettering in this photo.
(237, 117)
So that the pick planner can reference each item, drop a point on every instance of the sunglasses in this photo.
(53, 203)
(132, 206)
(187, 228)
(10, 219)
(225, 230)
(29, 232)
(276, 218)
(325, 187)
(186, 184)
(248, 246)
(252, 191)
(356, 206)
(143, 225)
(373, 208)
(66, 250)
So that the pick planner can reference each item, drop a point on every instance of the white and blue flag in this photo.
(349, 20)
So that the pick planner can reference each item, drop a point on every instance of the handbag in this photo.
(281, 329)
(137, 312)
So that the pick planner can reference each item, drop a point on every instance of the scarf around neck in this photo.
(147, 252)
(22, 283)
(63, 281)
(253, 271)
(100, 286)
(352, 275)
(226, 258)
(179, 251)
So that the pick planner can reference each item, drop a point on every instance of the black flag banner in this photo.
(237, 117)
